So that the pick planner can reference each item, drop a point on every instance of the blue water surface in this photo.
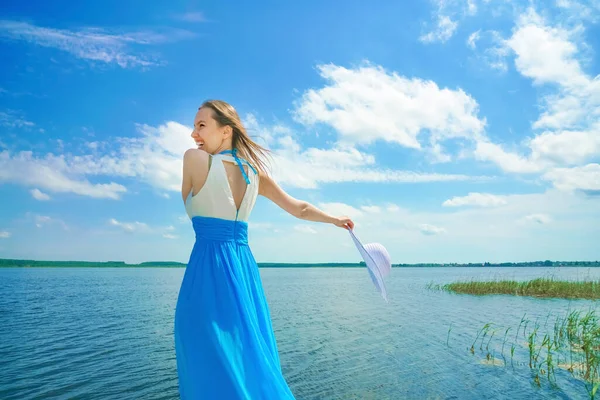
(106, 333)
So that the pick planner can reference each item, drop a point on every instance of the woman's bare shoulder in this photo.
(195, 157)
(195, 154)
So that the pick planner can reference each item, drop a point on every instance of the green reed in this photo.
(571, 342)
(540, 287)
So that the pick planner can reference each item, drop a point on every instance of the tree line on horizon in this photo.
(174, 264)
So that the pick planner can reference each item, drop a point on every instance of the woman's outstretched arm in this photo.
(298, 208)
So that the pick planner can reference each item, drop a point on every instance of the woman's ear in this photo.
(228, 132)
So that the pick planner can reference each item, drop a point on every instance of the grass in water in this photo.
(541, 287)
(572, 343)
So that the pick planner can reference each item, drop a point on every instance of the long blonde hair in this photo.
(226, 115)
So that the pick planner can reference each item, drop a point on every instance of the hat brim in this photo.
(377, 261)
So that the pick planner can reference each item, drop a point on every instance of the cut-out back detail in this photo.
(215, 198)
(229, 174)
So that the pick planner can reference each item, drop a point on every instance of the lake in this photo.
(106, 333)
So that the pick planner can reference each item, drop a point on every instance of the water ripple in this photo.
(108, 334)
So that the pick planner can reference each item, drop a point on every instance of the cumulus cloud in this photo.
(586, 178)
(53, 173)
(566, 135)
(154, 156)
(5, 234)
(368, 104)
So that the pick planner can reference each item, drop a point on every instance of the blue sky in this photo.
(451, 131)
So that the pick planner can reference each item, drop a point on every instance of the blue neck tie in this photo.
(240, 163)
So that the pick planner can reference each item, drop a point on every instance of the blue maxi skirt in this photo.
(224, 340)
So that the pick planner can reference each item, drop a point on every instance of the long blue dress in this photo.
(224, 340)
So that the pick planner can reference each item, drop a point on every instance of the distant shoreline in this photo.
(11, 263)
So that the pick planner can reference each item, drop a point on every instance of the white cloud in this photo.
(545, 54)
(430, 230)
(5, 234)
(476, 199)
(368, 104)
(508, 161)
(550, 57)
(93, 44)
(92, 145)
(14, 119)
(578, 11)
(567, 147)
(494, 51)
(491, 233)
(471, 7)
(137, 227)
(305, 229)
(39, 195)
(585, 178)
(473, 38)
(446, 16)
(443, 31)
(52, 173)
(41, 221)
(308, 168)
(131, 226)
(154, 155)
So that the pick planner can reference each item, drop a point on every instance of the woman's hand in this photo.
(344, 222)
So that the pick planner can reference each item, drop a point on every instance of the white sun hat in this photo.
(378, 262)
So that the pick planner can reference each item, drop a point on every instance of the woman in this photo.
(224, 339)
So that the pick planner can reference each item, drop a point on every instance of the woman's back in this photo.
(227, 192)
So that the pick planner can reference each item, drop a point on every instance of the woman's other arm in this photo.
(298, 208)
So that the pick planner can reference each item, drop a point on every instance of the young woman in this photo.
(224, 341)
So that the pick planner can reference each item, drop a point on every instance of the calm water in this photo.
(107, 334)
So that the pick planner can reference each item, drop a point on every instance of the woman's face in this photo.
(207, 133)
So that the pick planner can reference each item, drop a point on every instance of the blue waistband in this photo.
(221, 230)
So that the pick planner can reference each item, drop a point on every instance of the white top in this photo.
(215, 198)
